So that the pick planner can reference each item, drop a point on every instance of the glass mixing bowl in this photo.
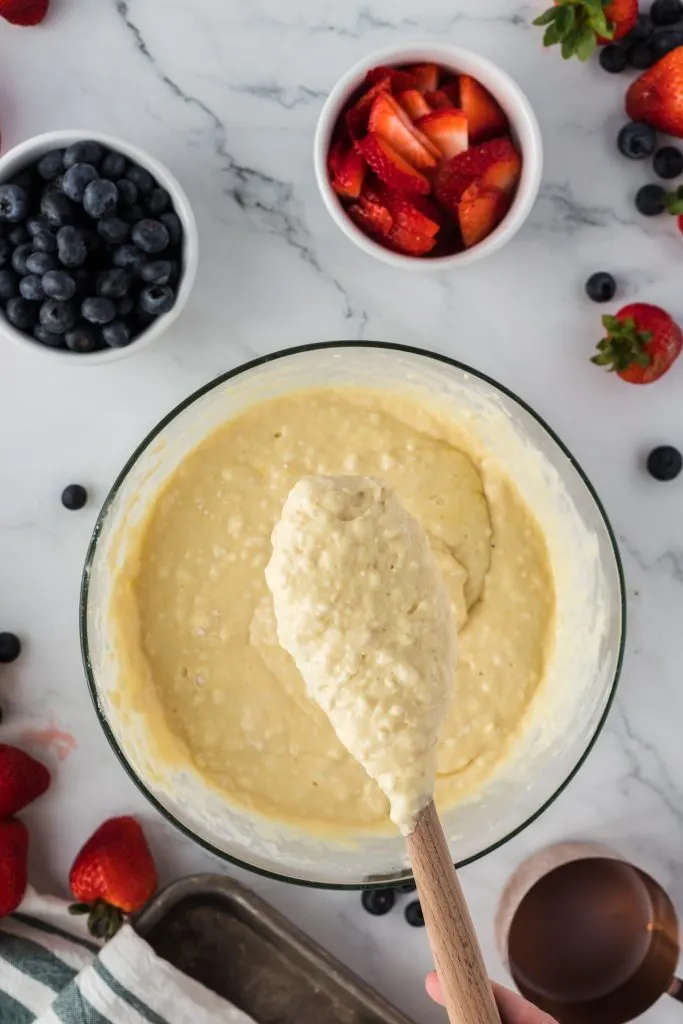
(566, 715)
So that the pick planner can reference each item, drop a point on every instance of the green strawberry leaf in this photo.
(565, 20)
(587, 44)
(551, 36)
(547, 17)
(570, 42)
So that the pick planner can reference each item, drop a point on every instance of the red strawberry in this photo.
(371, 217)
(657, 96)
(24, 12)
(485, 117)
(409, 242)
(400, 79)
(335, 157)
(641, 344)
(13, 865)
(679, 222)
(350, 174)
(113, 874)
(389, 120)
(414, 103)
(426, 77)
(457, 174)
(579, 25)
(390, 166)
(480, 210)
(413, 213)
(452, 90)
(447, 129)
(438, 100)
(505, 169)
(22, 780)
(358, 115)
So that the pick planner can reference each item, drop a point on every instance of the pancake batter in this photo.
(193, 620)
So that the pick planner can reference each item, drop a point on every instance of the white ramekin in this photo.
(32, 150)
(523, 124)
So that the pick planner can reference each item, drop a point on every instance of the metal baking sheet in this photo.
(228, 938)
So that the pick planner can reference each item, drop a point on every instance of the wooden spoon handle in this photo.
(466, 988)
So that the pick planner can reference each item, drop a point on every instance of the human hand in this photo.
(513, 1008)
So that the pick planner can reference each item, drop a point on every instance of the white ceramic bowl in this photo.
(523, 124)
(29, 152)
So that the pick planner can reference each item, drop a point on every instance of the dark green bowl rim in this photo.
(217, 381)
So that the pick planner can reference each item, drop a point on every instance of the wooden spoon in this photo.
(467, 991)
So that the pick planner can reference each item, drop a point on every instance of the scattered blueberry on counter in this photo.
(668, 162)
(10, 647)
(666, 12)
(637, 140)
(74, 496)
(665, 462)
(651, 200)
(90, 249)
(601, 287)
(378, 901)
(414, 915)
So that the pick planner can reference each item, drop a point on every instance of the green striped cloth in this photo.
(52, 972)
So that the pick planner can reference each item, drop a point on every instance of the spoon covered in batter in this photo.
(361, 607)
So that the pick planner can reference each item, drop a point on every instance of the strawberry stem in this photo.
(623, 346)
(104, 920)
(576, 26)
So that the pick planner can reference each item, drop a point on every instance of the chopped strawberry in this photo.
(426, 77)
(480, 210)
(414, 103)
(350, 174)
(358, 115)
(24, 12)
(371, 217)
(447, 129)
(408, 212)
(457, 174)
(390, 166)
(409, 242)
(505, 169)
(389, 119)
(452, 90)
(335, 157)
(485, 117)
(439, 100)
(400, 78)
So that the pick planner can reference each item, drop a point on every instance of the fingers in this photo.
(513, 1008)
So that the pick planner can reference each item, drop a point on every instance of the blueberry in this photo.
(35, 225)
(19, 257)
(157, 299)
(74, 497)
(40, 262)
(641, 55)
(113, 284)
(45, 241)
(665, 462)
(641, 30)
(71, 246)
(98, 310)
(84, 279)
(10, 647)
(100, 198)
(613, 58)
(665, 41)
(55, 185)
(129, 257)
(5, 252)
(171, 222)
(637, 140)
(57, 317)
(124, 306)
(14, 203)
(157, 272)
(157, 201)
(46, 337)
(82, 338)
(59, 285)
(141, 178)
(113, 166)
(86, 152)
(116, 334)
(668, 162)
(132, 212)
(20, 313)
(601, 287)
(666, 12)
(650, 200)
(151, 236)
(31, 288)
(378, 901)
(414, 915)
(18, 235)
(127, 191)
(8, 285)
(113, 230)
(57, 209)
(91, 239)
(25, 179)
(51, 165)
(76, 179)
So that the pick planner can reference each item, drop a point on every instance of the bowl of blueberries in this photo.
(98, 247)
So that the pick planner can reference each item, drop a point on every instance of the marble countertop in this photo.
(227, 92)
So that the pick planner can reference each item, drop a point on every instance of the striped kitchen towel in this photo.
(53, 972)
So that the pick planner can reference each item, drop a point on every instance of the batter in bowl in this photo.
(193, 620)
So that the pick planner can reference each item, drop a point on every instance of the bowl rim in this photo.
(524, 122)
(111, 496)
(181, 206)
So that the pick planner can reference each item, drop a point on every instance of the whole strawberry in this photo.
(641, 344)
(13, 865)
(22, 779)
(24, 12)
(113, 875)
(657, 96)
(578, 26)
